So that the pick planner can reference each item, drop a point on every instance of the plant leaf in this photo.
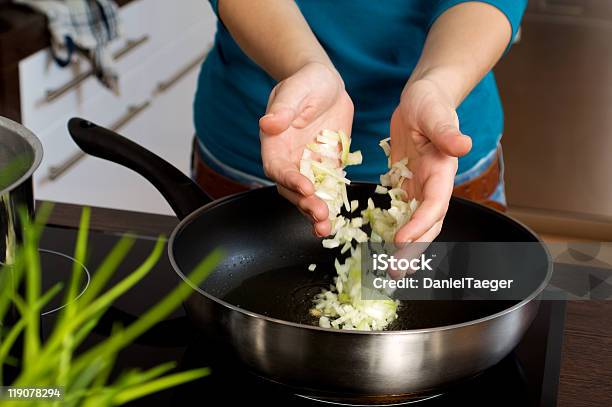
(107, 268)
(154, 386)
(156, 313)
(32, 294)
(97, 306)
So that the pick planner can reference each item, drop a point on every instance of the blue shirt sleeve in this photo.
(512, 9)
(215, 6)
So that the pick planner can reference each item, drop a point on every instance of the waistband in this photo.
(241, 177)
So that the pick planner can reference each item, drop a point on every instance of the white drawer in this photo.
(163, 23)
(106, 110)
(186, 53)
(150, 84)
(165, 128)
(59, 149)
(136, 30)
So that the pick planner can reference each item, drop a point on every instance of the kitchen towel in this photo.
(86, 26)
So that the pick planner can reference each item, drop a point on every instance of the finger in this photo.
(315, 207)
(322, 229)
(290, 104)
(310, 109)
(311, 208)
(289, 195)
(424, 218)
(407, 251)
(413, 250)
(449, 140)
(283, 107)
(441, 126)
(319, 229)
(277, 120)
(295, 181)
(286, 174)
(436, 195)
(431, 234)
(295, 198)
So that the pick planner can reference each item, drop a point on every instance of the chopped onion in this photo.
(341, 307)
(357, 222)
(354, 158)
(380, 190)
(324, 322)
(330, 243)
(312, 267)
(384, 144)
(346, 146)
(386, 222)
(322, 163)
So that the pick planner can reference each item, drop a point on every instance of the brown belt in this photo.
(478, 189)
(214, 184)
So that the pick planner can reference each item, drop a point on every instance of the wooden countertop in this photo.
(586, 366)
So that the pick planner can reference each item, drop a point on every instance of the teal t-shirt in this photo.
(375, 45)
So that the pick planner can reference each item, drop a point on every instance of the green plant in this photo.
(84, 376)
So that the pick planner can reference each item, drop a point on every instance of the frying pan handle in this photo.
(183, 195)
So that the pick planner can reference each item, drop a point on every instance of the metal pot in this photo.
(20, 154)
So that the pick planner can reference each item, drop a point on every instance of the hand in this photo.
(300, 107)
(425, 129)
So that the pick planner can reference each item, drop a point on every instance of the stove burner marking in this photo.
(73, 260)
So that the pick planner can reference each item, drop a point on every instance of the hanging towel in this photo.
(84, 26)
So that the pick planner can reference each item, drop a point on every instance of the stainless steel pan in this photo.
(256, 302)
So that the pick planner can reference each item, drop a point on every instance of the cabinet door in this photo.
(556, 85)
(154, 109)
(165, 127)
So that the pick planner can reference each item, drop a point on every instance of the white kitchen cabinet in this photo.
(165, 128)
(158, 80)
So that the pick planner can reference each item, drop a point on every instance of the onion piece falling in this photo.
(323, 162)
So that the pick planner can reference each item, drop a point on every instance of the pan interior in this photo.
(269, 245)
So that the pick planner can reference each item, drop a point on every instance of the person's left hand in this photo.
(425, 129)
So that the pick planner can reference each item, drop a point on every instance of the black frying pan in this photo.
(257, 300)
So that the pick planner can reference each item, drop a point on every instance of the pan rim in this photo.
(195, 214)
(35, 145)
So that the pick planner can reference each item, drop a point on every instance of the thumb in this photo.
(283, 107)
(441, 126)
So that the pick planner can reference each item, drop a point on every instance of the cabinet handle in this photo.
(163, 86)
(132, 111)
(129, 46)
(56, 171)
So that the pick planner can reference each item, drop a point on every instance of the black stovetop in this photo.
(528, 376)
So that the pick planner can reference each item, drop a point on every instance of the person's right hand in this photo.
(299, 108)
